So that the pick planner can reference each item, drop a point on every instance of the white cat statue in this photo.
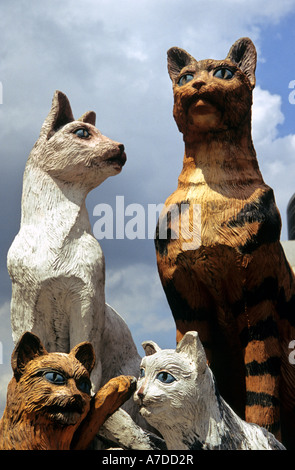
(177, 394)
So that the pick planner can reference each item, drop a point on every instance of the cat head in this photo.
(212, 95)
(75, 151)
(170, 379)
(51, 387)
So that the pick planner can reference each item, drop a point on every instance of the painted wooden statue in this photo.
(49, 404)
(56, 265)
(236, 287)
(177, 394)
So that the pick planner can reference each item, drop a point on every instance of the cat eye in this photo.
(55, 378)
(223, 73)
(141, 373)
(165, 377)
(82, 133)
(185, 79)
(84, 386)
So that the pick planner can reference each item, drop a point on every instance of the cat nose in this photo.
(140, 393)
(121, 148)
(200, 80)
(198, 83)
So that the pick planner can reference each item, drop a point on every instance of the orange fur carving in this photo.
(105, 402)
(236, 289)
(49, 406)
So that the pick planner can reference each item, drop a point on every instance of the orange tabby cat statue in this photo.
(235, 287)
(49, 406)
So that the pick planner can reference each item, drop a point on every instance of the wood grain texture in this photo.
(236, 288)
(55, 263)
(49, 404)
(105, 402)
(177, 394)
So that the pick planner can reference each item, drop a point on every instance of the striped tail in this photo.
(262, 356)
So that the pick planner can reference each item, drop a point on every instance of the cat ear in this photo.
(84, 353)
(28, 348)
(243, 54)
(89, 117)
(177, 59)
(59, 115)
(150, 347)
(191, 345)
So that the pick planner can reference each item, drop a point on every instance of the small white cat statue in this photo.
(177, 395)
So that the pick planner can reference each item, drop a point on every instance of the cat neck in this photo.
(201, 426)
(206, 429)
(224, 160)
(52, 204)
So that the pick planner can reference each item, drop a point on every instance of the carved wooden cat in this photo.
(55, 263)
(177, 394)
(49, 405)
(236, 288)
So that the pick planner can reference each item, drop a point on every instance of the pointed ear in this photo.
(28, 348)
(84, 353)
(59, 115)
(243, 54)
(177, 59)
(150, 347)
(89, 117)
(191, 345)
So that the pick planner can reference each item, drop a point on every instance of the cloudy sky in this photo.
(110, 56)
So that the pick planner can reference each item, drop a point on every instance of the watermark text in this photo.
(292, 353)
(177, 221)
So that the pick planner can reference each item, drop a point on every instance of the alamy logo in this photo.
(181, 222)
(292, 354)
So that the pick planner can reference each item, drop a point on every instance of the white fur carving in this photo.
(177, 395)
(55, 263)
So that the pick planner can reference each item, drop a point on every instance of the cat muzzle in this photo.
(200, 100)
(68, 413)
(119, 158)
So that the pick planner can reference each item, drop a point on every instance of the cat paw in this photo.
(104, 403)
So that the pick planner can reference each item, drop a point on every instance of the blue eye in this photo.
(165, 377)
(223, 73)
(82, 133)
(185, 79)
(142, 373)
(84, 386)
(55, 378)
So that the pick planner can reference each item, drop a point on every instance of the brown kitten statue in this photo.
(49, 406)
(235, 286)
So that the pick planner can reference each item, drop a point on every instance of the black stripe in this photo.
(161, 244)
(286, 309)
(270, 366)
(274, 427)
(261, 399)
(267, 290)
(265, 212)
(164, 227)
(262, 330)
(180, 307)
(238, 307)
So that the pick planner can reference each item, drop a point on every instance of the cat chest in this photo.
(207, 221)
(46, 256)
